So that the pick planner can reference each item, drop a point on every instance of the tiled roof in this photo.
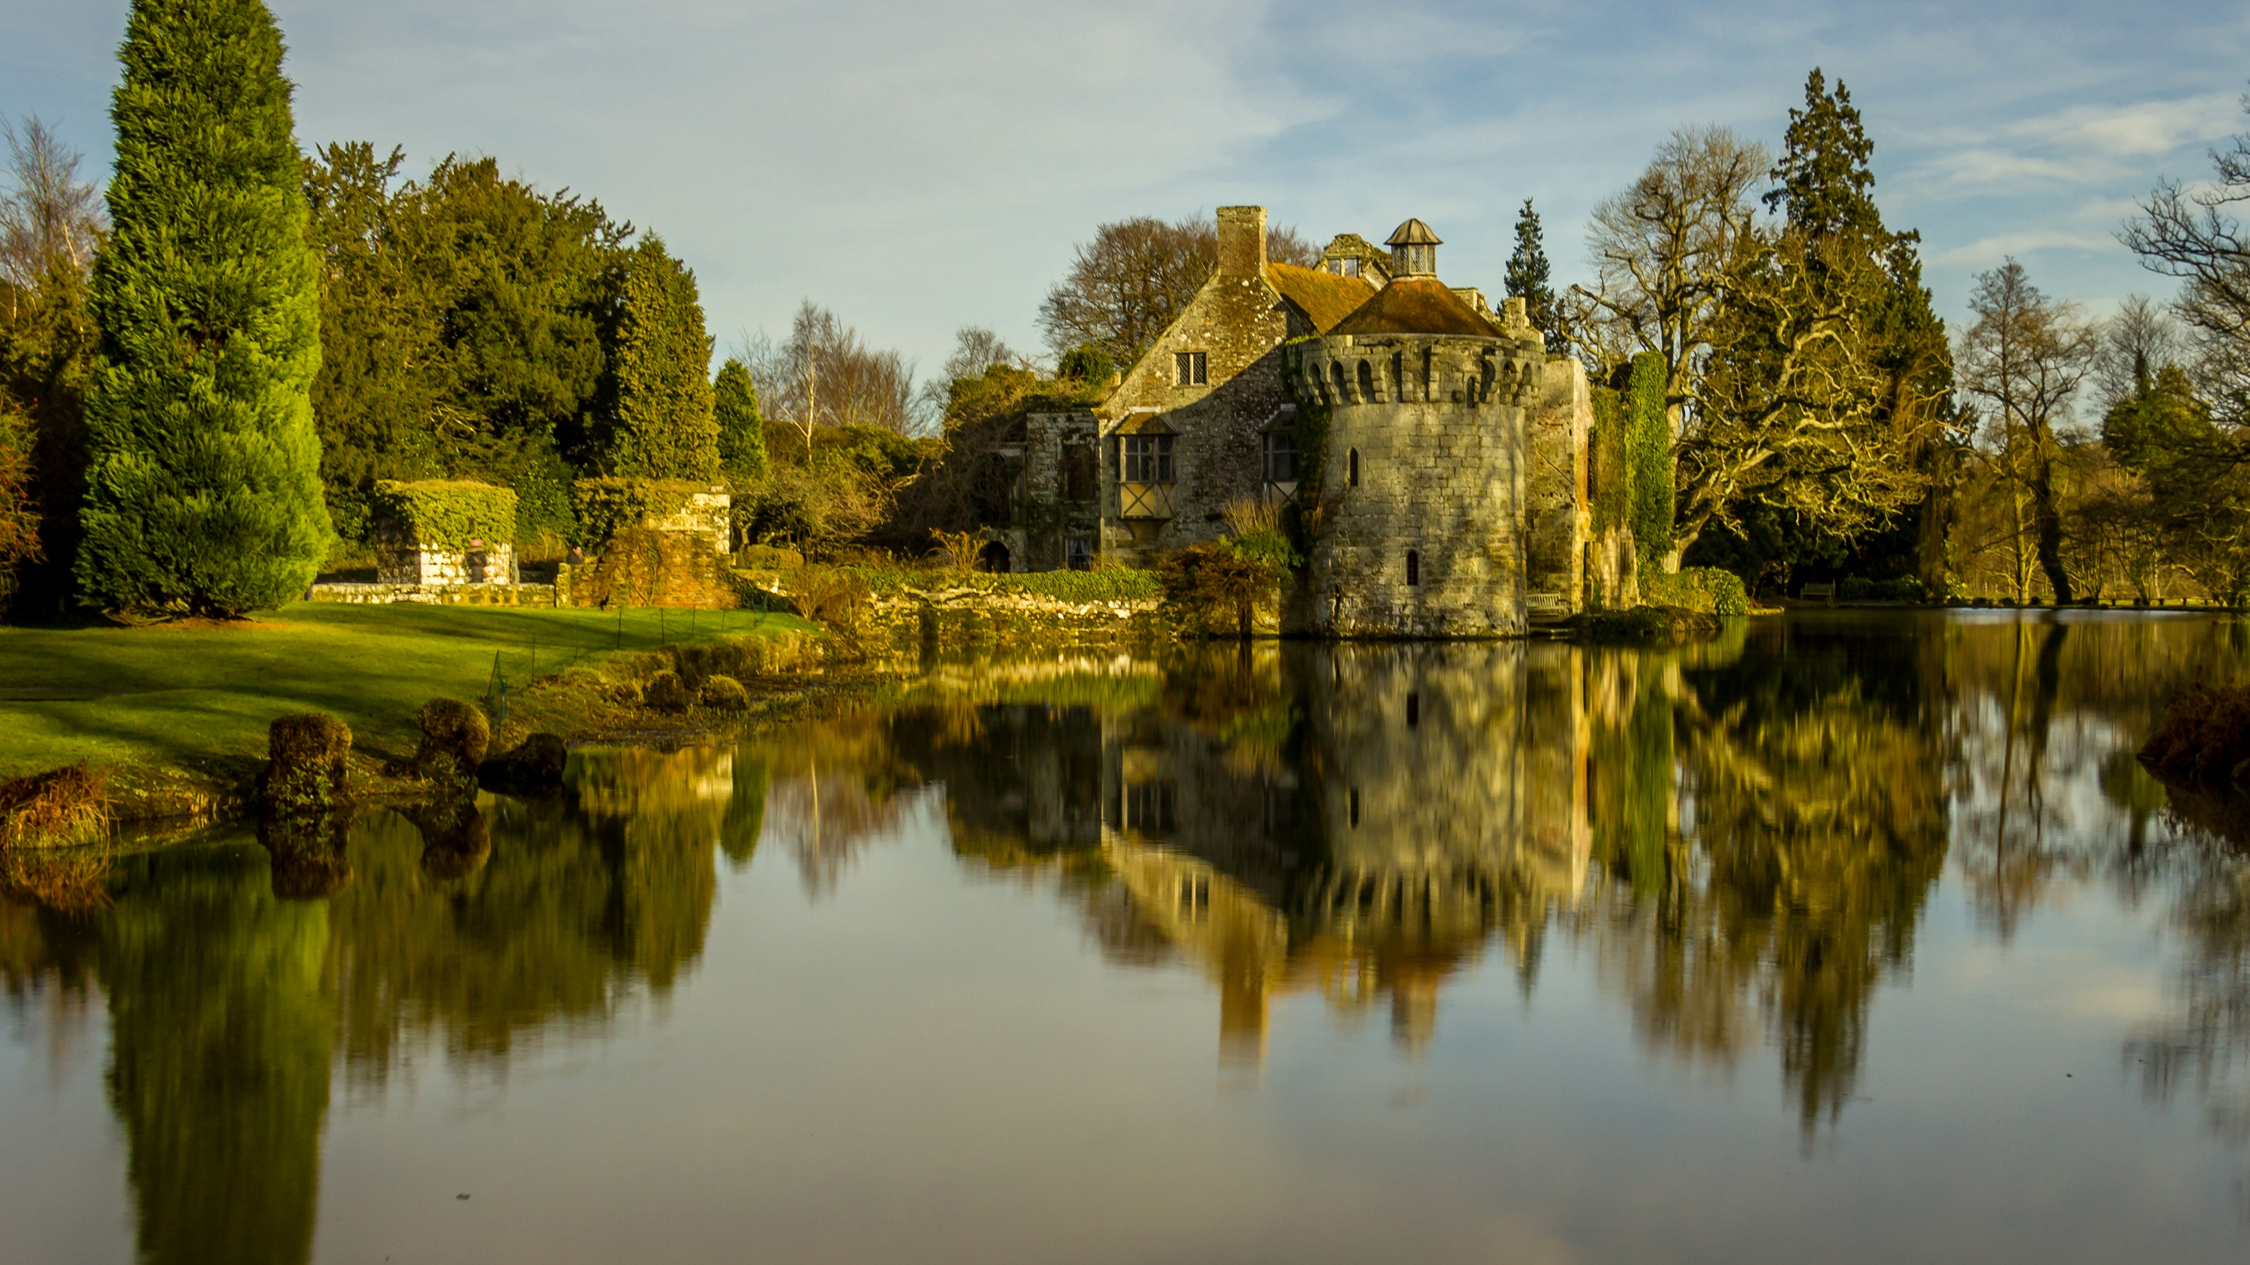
(1416, 305)
(1323, 297)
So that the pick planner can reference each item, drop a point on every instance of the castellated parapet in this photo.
(1420, 529)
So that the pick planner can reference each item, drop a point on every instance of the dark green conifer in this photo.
(665, 427)
(1529, 278)
(742, 433)
(203, 484)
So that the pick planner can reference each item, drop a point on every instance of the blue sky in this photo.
(921, 166)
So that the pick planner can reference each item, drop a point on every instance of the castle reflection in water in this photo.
(1353, 820)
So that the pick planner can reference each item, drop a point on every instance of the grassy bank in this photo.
(189, 703)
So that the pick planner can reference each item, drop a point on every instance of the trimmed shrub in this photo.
(444, 514)
(609, 507)
(665, 692)
(454, 737)
(1707, 589)
(725, 694)
(305, 763)
(203, 492)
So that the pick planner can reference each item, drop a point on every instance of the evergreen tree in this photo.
(203, 484)
(1529, 278)
(379, 332)
(1823, 186)
(665, 427)
(742, 433)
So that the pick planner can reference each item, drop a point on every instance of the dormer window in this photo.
(1191, 367)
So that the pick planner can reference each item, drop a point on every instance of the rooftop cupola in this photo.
(1414, 250)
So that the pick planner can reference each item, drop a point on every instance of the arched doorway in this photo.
(994, 557)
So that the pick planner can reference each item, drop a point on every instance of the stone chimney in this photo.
(1242, 241)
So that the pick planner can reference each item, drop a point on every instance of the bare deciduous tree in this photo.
(825, 374)
(2024, 360)
(1136, 276)
(2137, 344)
(50, 218)
(1664, 250)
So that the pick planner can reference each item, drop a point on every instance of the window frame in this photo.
(1273, 445)
(1191, 368)
(1147, 459)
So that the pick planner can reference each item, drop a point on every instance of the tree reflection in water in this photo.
(1744, 838)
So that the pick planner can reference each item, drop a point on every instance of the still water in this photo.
(1840, 939)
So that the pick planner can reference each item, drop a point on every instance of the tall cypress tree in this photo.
(742, 433)
(203, 488)
(1529, 278)
(665, 427)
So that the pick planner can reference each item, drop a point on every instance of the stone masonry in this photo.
(1208, 393)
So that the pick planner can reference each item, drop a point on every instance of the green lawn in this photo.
(201, 698)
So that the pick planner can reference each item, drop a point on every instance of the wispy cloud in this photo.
(920, 166)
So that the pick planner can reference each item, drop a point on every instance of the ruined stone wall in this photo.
(1555, 510)
(1438, 428)
(1047, 520)
(708, 514)
(1239, 322)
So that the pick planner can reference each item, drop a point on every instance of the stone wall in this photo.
(400, 560)
(381, 594)
(1420, 518)
(948, 619)
(1556, 512)
(1046, 518)
(708, 514)
(645, 567)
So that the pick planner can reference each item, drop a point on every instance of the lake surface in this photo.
(1845, 938)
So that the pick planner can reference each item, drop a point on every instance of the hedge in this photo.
(440, 514)
(1708, 589)
(609, 506)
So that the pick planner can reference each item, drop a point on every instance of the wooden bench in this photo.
(1817, 593)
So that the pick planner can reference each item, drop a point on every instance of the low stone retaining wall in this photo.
(965, 617)
(436, 594)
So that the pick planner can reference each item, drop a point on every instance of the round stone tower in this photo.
(1419, 522)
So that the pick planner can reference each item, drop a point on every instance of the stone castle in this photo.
(1436, 453)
